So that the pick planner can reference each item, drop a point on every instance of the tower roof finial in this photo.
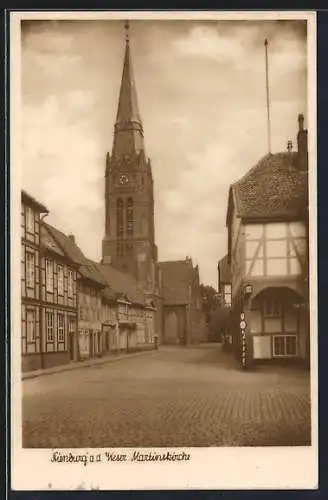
(127, 27)
(128, 137)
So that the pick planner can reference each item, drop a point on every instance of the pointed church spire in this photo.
(128, 136)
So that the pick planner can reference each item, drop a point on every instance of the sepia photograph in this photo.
(165, 236)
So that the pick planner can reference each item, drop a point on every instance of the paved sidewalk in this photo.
(77, 365)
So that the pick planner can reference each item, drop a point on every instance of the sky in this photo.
(202, 99)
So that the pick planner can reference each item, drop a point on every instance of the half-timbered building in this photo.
(59, 302)
(31, 344)
(128, 321)
(267, 221)
(90, 284)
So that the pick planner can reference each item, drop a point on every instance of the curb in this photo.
(83, 364)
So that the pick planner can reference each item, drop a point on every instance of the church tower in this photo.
(129, 242)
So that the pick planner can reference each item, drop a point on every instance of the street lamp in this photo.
(248, 289)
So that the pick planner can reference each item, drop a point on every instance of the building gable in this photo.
(49, 243)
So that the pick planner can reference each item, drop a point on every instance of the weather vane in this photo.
(127, 27)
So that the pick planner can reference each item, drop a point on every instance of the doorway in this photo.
(71, 340)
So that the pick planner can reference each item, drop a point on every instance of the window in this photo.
(119, 218)
(227, 295)
(119, 250)
(60, 328)
(272, 314)
(30, 326)
(60, 280)
(272, 307)
(29, 220)
(70, 283)
(129, 217)
(49, 276)
(285, 345)
(30, 269)
(129, 249)
(50, 326)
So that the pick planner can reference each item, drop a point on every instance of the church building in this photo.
(129, 242)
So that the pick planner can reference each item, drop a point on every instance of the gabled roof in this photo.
(49, 243)
(119, 283)
(90, 270)
(29, 200)
(274, 188)
(224, 270)
(176, 276)
(71, 249)
(67, 244)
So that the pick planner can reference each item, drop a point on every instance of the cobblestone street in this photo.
(193, 396)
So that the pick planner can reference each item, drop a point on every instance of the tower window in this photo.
(119, 218)
(129, 249)
(119, 250)
(129, 217)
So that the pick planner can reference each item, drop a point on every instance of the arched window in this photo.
(129, 217)
(119, 218)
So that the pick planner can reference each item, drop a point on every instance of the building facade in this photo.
(31, 343)
(129, 321)
(89, 286)
(267, 221)
(184, 320)
(58, 318)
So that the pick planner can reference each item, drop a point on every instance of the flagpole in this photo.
(267, 94)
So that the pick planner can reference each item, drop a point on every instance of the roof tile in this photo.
(120, 283)
(71, 249)
(275, 187)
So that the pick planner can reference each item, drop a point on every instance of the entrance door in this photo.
(71, 337)
(99, 344)
(171, 328)
(106, 333)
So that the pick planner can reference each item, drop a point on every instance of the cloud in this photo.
(207, 42)
(61, 161)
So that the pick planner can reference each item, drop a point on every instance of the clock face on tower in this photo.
(124, 179)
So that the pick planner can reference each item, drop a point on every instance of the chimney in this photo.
(72, 237)
(302, 144)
